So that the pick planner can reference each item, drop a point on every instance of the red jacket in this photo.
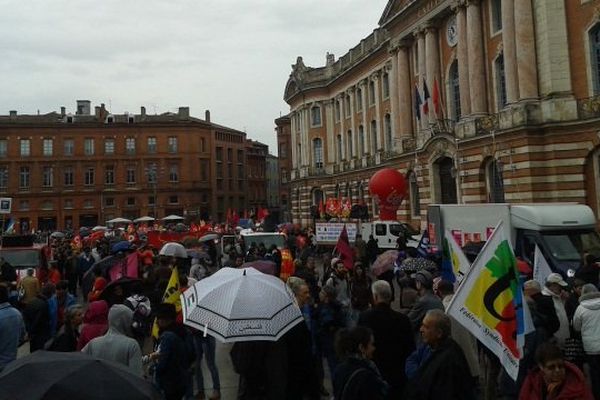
(573, 388)
(95, 323)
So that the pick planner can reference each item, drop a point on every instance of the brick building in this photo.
(284, 159)
(513, 95)
(65, 171)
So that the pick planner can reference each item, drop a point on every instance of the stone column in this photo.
(365, 102)
(405, 92)
(525, 46)
(342, 124)
(394, 75)
(294, 144)
(379, 136)
(463, 60)
(433, 64)
(510, 50)
(305, 141)
(477, 87)
(351, 143)
(327, 146)
(421, 64)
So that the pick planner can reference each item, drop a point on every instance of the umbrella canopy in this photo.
(236, 305)
(123, 245)
(99, 228)
(173, 249)
(384, 262)
(172, 217)
(75, 376)
(57, 235)
(264, 266)
(143, 219)
(417, 264)
(208, 237)
(119, 221)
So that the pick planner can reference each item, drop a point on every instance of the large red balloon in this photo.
(388, 187)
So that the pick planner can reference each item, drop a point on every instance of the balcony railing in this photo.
(486, 124)
(441, 126)
(589, 107)
(316, 171)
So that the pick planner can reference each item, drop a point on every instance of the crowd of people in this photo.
(376, 337)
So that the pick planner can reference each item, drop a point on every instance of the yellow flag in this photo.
(170, 296)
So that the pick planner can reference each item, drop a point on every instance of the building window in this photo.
(415, 199)
(172, 144)
(202, 145)
(151, 200)
(219, 154)
(374, 136)
(131, 201)
(130, 175)
(496, 9)
(25, 147)
(595, 56)
(88, 203)
(68, 175)
(455, 111)
(109, 201)
(88, 147)
(361, 140)
(24, 205)
(315, 116)
(349, 140)
(173, 173)
(47, 177)
(339, 148)
(337, 110)
(89, 176)
(47, 205)
(130, 145)
(318, 153)
(3, 178)
(347, 109)
(152, 145)
(229, 154)
(109, 146)
(152, 172)
(240, 156)
(386, 85)
(173, 200)
(68, 204)
(299, 155)
(69, 147)
(387, 126)
(495, 182)
(500, 82)
(359, 101)
(3, 148)
(371, 92)
(48, 147)
(24, 178)
(204, 170)
(109, 175)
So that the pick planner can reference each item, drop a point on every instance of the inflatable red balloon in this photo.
(388, 187)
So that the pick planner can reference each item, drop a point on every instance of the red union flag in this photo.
(344, 250)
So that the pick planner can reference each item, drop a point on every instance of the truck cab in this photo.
(387, 232)
(22, 253)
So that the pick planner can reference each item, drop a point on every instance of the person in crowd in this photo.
(171, 372)
(71, 274)
(542, 310)
(360, 290)
(339, 282)
(85, 261)
(206, 346)
(95, 323)
(63, 300)
(29, 286)
(37, 319)
(329, 320)
(393, 336)
(427, 300)
(408, 294)
(66, 338)
(12, 329)
(444, 373)
(360, 249)
(356, 377)
(117, 344)
(198, 270)
(572, 302)
(302, 378)
(587, 321)
(589, 271)
(555, 289)
(372, 249)
(554, 378)
(54, 275)
(99, 284)
(308, 274)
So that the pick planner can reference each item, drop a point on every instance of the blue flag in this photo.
(423, 247)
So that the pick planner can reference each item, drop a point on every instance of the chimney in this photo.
(97, 112)
(63, 111)
(184, 112)
(143, 111)
(207, 115)
(13, 114)
(84, 107)
(329, 59)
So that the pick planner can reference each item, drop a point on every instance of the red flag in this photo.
(321, 208)
(344, 250)
(436, 97)
(228, 217)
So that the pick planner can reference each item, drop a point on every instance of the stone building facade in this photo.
(512, 92)
(70, 170)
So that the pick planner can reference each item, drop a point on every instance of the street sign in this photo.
(5, 205)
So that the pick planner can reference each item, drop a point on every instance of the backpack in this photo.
(141, 323)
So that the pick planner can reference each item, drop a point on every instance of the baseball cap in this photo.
(556, 278)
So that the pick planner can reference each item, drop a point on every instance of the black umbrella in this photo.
(74, 376)
(118, 290)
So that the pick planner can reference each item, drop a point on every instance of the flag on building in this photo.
(454, 262)
(541, 269)
(425, 98)
(171, 296)
(418, 103)
(489, 303)
(436, 98)
(344, 250)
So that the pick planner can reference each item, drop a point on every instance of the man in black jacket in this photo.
(444, 374)
(393, 337)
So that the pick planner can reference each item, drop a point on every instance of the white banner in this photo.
(541, 269)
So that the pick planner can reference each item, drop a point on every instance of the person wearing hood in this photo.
(587, 321)
(95, 323)
(117, 345)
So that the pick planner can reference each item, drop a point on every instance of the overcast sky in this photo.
(232, 57)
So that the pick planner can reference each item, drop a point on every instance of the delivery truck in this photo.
(386, 233)
(562, 231)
